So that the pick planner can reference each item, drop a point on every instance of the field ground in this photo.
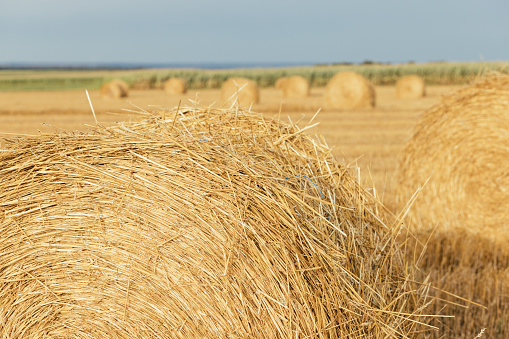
(370, 138)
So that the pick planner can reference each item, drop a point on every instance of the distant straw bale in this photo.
(246, 89)
(219, 224)
(279, 82)
(462, 146)
(175, 86)
(410, 87)
(293, 87)
(349, 90)
(114, 89)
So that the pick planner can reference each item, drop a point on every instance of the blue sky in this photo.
(262, 31)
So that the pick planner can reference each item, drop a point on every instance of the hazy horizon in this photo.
(263, 32)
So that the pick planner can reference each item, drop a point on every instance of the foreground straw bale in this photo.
(114, 89)
(219, 224)
(293, 87)
(462, 146)
(243, 91)
(175, 86)
(349, 90)
(410, 87)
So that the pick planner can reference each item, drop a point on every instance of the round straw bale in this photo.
(223, 224)
(293, 87)
(175, 86)
(462, 146)
(410, 87)
(349, 90)
(280, 81)
(114, 89)
(242, 90)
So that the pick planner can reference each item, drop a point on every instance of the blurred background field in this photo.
(439, 73)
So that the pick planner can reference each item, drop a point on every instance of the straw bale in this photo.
(293, 87)
(114, 89)
(175, 86)
(462, 146)
(196, 223)
(280, 81)
(410, 87)
(241, 90)
(349, 90)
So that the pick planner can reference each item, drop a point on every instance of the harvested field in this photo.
(372, 140)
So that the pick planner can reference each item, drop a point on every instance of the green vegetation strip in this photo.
(379, 74)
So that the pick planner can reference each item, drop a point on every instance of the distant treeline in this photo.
(318, 75)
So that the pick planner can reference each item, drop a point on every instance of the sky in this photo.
(257, 32)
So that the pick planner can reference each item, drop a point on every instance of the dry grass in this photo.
(195, 223)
